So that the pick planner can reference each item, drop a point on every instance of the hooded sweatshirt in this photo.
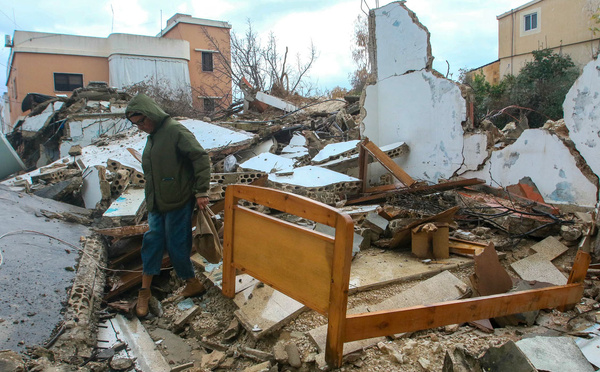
(175, 165)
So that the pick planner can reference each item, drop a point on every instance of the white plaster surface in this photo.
(296, 148)
(424, 111)
(37, 122)
(334, 149)
(86, 131)
(474, 151)
(312, 176)
(275, 102)
(213, 137)
(582, 114)
(268, 163)
(126, 205)
(543, 157)
(401, 44)
(90, 190)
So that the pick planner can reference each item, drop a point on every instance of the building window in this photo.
(207, 61)
(67, 82)
(531, 21)
(209, 105)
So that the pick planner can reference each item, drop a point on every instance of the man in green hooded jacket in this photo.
(177, 172)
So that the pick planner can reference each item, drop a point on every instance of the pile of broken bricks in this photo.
(405, 232)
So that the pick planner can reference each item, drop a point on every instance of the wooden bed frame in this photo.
(314, 269)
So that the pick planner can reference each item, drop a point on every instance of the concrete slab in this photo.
(312, 176)
(550, 248)
(554, 354)
(537, 267)
(128, 205)
(334, 150)
(34, 266)
(266, 310)
(176, 349)
(37, 122)
(507, 357)
(268, 163)
(141, 345)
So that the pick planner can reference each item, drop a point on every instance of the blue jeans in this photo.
(173, 231)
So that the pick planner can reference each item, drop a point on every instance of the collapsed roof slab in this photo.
(268, 163)
(544, 158)
(37, 122)
(424, 111)
(218, 139)
(406, 47)
(581, 111)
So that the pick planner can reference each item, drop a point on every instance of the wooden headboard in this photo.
(314, 268)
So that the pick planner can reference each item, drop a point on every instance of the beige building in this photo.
(188, 56)
(561, 25)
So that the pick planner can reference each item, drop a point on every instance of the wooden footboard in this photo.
(314, 269)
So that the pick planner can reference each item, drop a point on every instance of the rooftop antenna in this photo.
(112, 26)
(161, 29)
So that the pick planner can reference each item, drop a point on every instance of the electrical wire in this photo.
(94, 260)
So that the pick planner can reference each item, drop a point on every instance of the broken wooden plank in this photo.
(387, 162)
(360, 326)
(465, 247)
(393, 189)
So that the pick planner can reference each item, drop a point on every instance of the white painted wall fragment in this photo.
(312, 176)
(402, 41)
(582, 114)
(213, 137)
(85, 131)
(474, 151)
(268, 163)
(37, 122)
(547, 161)
(424, 111)
(275, 102)
(334, 149)
(126, 205)
(296, 148)
(91, 190)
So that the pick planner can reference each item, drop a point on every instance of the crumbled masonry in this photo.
(443, 209)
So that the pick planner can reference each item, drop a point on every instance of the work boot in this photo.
(193, 287)
(141, 309)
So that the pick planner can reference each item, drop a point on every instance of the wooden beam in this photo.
(363, 164)
(340, 282)
(418, 189)
(387, 162)
(382, 323)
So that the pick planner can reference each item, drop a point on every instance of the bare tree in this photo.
(360, 54)
(264, 67)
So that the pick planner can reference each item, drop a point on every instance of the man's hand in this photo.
(202, 202)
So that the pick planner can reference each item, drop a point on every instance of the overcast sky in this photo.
(463, 32)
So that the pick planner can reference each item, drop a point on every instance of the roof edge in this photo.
(517, 9)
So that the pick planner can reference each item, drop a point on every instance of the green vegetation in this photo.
(538, 92)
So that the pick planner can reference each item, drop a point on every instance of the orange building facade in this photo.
(190, 53)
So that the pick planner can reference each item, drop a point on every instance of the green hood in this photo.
(145, 105)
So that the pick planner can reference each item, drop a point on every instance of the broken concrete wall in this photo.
(410, 103)
(581, 111)
(544, 158)
(85, 130)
